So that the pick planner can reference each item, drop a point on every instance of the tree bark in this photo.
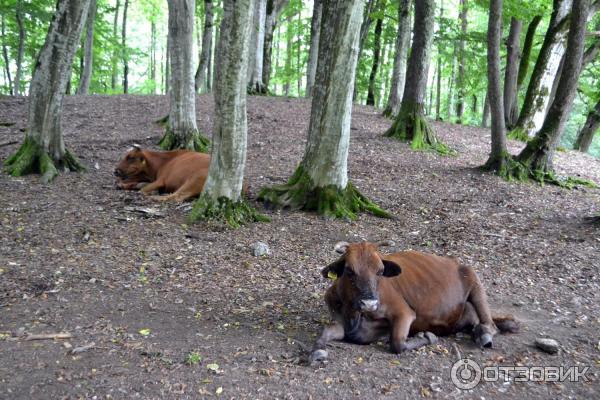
(535, 160)
(200, 80)
(5, 56)
(485, 119)
(313, 55)
(257, 48)
(547, 64)
(410, 124)
(288, 56)
(376, 55)
(113, 77)
(221, 197)
(527, 46)
(86, 75)
(168, 65)
(451, 79)
(153, 55)
(587, 132)
(320, 182)
(21, 48)
(124, 49)
(400, 58)
(274, 10)
(511, 112)
(460, 81)
(43, 149)
(182, 131)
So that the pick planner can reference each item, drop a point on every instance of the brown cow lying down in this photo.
(180, 172)
(401, 294)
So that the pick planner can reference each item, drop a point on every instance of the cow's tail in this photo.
(506, 323)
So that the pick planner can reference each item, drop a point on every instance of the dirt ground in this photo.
(159, 309)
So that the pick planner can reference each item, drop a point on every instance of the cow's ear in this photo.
(336, 268)
(390, 268)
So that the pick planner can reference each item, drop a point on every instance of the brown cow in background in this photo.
(180, 172)
(402, 294)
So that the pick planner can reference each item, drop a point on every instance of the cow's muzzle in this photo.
(369, 305)
(118, 173)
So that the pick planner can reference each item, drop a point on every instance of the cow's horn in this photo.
(341, 247)
(386, 243)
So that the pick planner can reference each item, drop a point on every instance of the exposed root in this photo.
(411, 126)
(258, 89)
(193, 141)
(32, 159)
(234, 214)
(300, 193)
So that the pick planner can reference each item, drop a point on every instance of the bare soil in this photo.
(151, 292)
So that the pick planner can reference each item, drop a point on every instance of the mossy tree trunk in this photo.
(313, 54)
(320, 182)
(499, 155)
(535, 160)
(410, 124)
(221, 198)
(586, 134)
(513, 55)
(182, 131)
(43, 150)
(200, 79)
(546, 66)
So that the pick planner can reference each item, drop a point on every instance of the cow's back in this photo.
(188, 165)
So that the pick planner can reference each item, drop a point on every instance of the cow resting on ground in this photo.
(403, 294)
(180, 172)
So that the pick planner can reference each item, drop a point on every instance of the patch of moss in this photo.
(234, 214)
(194, 141)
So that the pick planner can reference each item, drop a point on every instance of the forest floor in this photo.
(159, 308)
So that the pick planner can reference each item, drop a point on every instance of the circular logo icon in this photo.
(466, 374)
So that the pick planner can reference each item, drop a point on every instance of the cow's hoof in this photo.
(317, 355)
(485, 340)
(431, 337)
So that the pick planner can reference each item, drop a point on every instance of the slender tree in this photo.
(182, 131)
(410, 124)
(313, 55)
(21, 47)
(499, 156)
(320, 182)
(376, 53)
(400, 57)
(257, 48)
(460, 81)
(115, 57)
(43, 149)
(201, 81)
(125, 52)
(485, 118)
(222, 194)
(546, 66)
(526, 53)
(274, 10)
(587, 132)
(535, 160)
(511, 112)
(5, 55)
(86, 75)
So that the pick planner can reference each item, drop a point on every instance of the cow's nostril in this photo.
(369, 305)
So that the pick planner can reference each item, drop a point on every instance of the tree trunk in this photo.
(460, 81)
(21, 48)
(5, 56)
(86, 75)
(527, 46)
(451, 80)
(124, 49)
(182, 132)
(221, 197)
(43, 149)
(511, 112)
(586, 134)
(274, 10)
(376, 55)
(168, 65)
(320, 182)
(499, 155)
(288, 55)
(113, 77)
(153, 55)
(313, 55)
(400, 58)
(485, 119)
(535, 160)
(410, 124)
(257, 48)
(364, 33)
(200, 81)
(538, 92)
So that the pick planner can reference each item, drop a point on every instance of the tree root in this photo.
(235, 214)
(411, 126)
(195, 141)
(32, 159)
(259, 89)
(300, 193)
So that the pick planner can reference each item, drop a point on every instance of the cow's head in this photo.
(359, 270)
(133, 167)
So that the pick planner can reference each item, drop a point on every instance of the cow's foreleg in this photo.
(151, 187)
(331, 332)
(484, 332)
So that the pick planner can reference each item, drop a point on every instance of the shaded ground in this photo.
(76, 257)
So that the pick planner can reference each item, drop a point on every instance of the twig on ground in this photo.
(45, 336)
